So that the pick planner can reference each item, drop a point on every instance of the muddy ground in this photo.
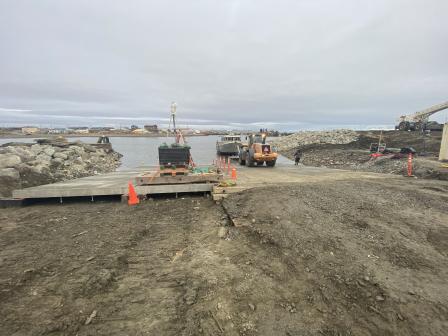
(356, 155)
(335, 258)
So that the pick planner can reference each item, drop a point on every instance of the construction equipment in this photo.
(377, 147)
(176, 155)
(257, 151)
(420, 120)
(176, 165)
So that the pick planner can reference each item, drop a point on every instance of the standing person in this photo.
(297, 156)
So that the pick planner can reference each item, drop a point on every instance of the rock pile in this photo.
(300, 139)
(25, 165)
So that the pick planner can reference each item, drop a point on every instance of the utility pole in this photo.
(173, 115)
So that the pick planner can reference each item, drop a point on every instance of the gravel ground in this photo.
(331, 258)
(348, 151)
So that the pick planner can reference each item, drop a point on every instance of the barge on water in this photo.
(228, 145)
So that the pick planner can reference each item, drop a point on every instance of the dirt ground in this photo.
(333, 258)
(356, 155)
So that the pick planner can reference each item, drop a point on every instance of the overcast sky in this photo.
(286, 64)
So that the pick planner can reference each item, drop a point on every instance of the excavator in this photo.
(419, 121)
(257, 152)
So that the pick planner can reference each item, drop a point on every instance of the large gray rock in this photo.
(57, 161)
(78, 160)
(9, 160)
(89, 148)
(40, 169)
(49, 151)
(77, 149)
(36, 149)
(43, 158)
(9, 172)
(24, 152)
(60, 155)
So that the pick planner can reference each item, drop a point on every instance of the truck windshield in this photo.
(259, 139)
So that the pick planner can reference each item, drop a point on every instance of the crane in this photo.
(419, 120)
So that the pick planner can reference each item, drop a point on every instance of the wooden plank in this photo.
(178, 179)
(173, 172)
(174, 188)
(115, 183)
(117, 190)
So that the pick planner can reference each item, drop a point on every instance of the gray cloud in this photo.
(288, 63)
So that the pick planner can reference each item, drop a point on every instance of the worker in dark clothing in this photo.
(297, 156)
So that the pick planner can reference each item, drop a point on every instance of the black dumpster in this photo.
(175, 155)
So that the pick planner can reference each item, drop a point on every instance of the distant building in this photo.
(81, 131)
(30, 130)
(56, 131)
(186, 131)
(151, 128)
(139, 131)
(78, 127)
(11, 129)
(100, 129)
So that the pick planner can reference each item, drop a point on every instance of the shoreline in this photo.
(93, 135)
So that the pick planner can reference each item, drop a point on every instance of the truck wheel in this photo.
(250, 162)
(418, 126)
(403, 126)
(270, 163)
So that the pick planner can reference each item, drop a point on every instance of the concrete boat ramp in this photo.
(109, 184)
(116, 183)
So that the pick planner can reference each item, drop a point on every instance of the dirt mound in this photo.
(355, 155)
(369, 257)
(341, 258)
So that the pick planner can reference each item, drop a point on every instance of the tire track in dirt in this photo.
(152, 294)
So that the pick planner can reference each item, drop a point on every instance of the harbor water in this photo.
(143, 151)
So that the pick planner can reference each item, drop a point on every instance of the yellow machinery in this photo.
(257, 152)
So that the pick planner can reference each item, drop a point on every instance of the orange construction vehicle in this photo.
(257, 152)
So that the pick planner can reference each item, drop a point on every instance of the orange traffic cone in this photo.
(132, 195)
(234, 174)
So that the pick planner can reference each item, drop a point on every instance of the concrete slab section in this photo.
(289, 173)
(116, 183)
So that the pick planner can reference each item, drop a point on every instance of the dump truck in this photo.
(257, 152)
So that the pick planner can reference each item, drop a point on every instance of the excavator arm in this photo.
(418, 119)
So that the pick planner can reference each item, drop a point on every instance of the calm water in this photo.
(144, 151)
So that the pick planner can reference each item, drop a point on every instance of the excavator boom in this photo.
(424, 114)
(418, 120)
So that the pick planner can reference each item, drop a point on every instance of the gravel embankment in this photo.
(301, 139)
(346, 149)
